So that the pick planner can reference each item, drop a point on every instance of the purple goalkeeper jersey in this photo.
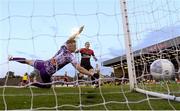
(62, 57)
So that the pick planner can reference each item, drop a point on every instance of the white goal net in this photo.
(137, 45)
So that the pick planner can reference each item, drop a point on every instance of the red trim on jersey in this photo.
(87, 51)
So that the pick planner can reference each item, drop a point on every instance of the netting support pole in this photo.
(129, 52)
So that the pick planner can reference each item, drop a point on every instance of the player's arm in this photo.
(83, 70)
(94, 57)
(72, 37)
(78, 51)
(53, 60)
(80, 69)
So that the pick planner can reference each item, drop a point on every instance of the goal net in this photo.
(137, 45)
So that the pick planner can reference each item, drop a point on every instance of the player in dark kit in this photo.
(86, 54)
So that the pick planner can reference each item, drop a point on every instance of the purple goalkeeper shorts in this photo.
(39, 65)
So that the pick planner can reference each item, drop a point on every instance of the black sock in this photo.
(18, 59)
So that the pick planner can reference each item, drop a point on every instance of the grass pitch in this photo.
(86, 98)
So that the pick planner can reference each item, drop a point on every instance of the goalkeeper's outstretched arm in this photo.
(75, 35)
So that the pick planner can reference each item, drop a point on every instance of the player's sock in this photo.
(80, 77)
(18, 59)
(94, 78)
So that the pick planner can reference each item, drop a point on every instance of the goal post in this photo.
(130, 59)
(161, 95)
(120, 34)
(129, 52)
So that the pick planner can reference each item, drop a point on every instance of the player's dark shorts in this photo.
(39, 65)
(24, 81)
(86, 64)
(65, 80)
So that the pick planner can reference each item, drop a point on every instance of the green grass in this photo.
(91, 99)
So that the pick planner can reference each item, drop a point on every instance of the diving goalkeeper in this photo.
(64, 56)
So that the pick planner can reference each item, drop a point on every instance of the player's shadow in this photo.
(89, 97)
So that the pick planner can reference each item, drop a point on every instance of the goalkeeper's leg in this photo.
(41, 85)
(21, 60)
(43, 78)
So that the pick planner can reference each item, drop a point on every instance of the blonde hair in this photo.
(70, 41)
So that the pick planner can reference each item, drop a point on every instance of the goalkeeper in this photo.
(59, 60)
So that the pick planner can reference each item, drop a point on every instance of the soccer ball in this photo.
(162, 69)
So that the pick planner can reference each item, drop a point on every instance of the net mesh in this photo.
(36, 29)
